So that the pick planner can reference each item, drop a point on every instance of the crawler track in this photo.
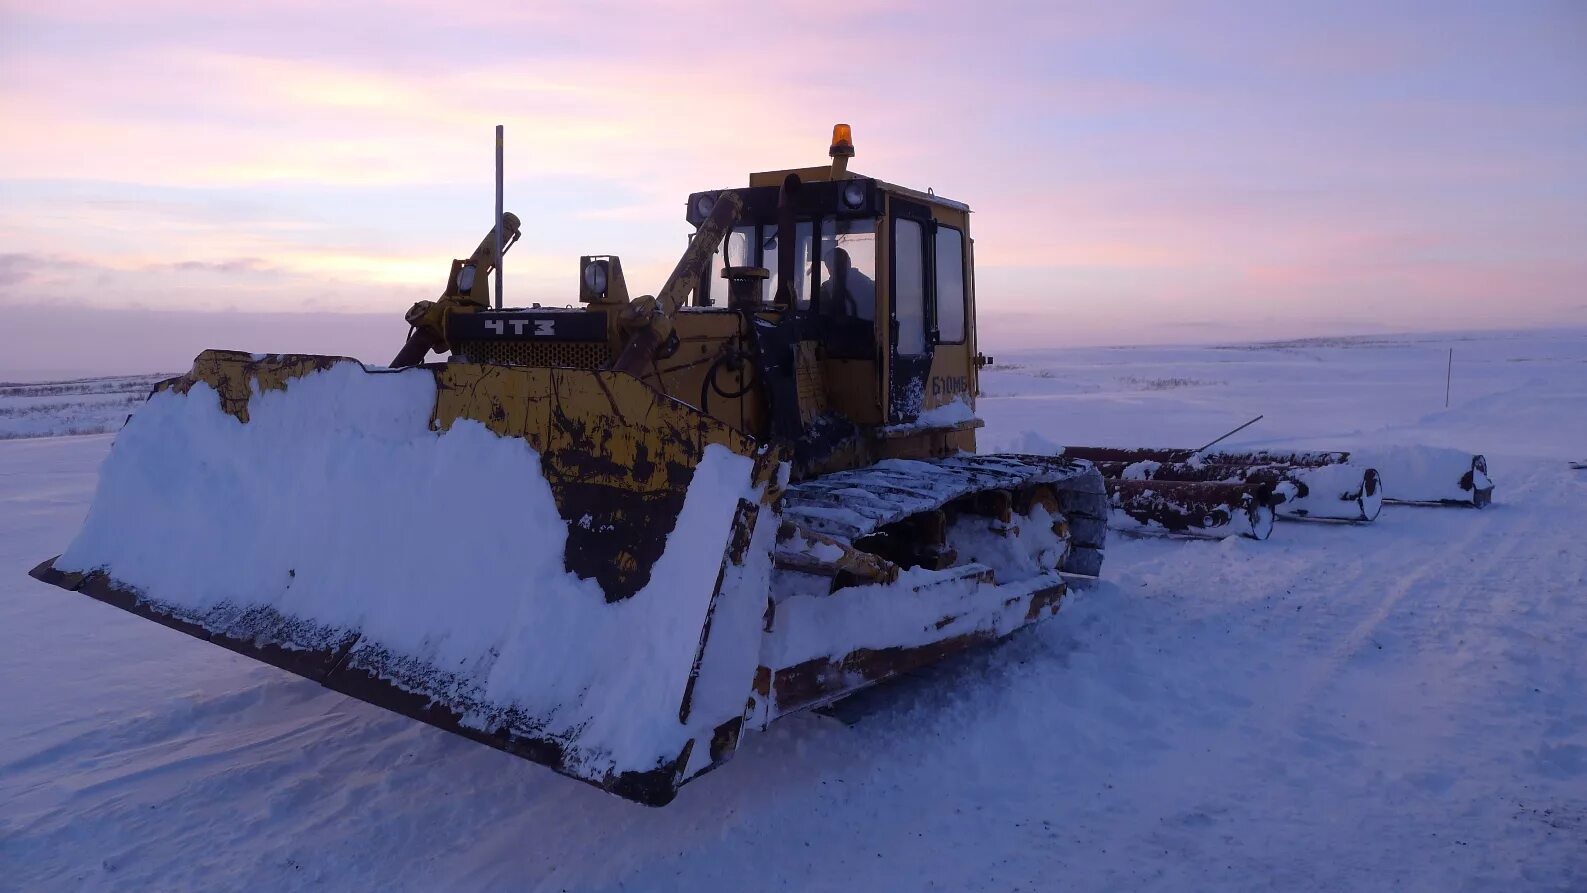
(851, 506)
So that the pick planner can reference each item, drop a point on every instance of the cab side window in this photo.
(950, 284)
(909, 286)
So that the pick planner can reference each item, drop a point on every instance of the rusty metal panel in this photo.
(235, 375)
(618, 455)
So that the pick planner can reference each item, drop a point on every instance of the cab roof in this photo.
(824, 174)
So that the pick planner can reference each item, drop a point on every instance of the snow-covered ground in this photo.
(1401, 705)
(30, 408)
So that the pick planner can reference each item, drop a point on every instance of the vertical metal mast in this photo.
(499, 131)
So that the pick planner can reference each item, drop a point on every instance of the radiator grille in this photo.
(561, 354)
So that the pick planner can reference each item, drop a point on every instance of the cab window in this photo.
(802, 247)
(847, 270)
(909, 286)
(950, 284)
(756, 246)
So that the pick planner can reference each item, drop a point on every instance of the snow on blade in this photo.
(337, 506)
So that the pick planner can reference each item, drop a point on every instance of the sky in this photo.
(1140, 172)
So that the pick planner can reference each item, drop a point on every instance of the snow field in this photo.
(79, 406)
(1400, 705)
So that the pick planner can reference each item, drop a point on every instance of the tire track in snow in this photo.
(1448, 596)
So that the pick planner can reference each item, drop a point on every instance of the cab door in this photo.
(949, 315)
(910, 345)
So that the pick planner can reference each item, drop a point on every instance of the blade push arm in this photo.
(649, 319)
(467, 287)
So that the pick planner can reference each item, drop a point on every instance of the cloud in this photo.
(24, 272)
(17, 269)
(234, 265)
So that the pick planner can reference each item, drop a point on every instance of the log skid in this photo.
(1193, 508)
(1176, 455)
(1330, 492)
(1314, 485)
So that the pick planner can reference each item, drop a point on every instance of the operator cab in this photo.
(835, 254)
(868, 348)
(865, 251)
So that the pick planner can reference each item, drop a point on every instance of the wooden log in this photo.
(1125, 455)
(1128, 455)
(1301, 459)
(1191, 508)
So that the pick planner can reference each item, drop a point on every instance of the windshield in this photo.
(755, 245)
(801, 249)
(847, 289)
(740, 248)
(847, 280)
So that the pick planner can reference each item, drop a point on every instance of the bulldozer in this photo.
(615, 537)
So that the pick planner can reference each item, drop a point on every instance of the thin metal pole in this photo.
(1449, 373)
(1232, 433)
(499, 136)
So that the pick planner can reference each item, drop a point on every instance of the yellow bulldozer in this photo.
(613, 538)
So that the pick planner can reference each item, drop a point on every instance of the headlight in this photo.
(465, 279)
(853, 195)
(595, 277)
(704, 205)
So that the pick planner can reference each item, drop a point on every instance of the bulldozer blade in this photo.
(562, 564)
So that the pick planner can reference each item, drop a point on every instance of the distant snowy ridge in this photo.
(75, 406)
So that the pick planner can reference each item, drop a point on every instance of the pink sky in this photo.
(1174, 172)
